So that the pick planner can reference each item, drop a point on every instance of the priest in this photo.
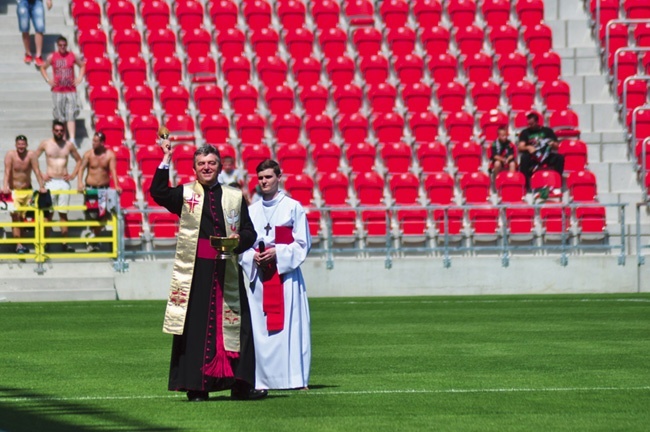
(207, 309)
(277, 295)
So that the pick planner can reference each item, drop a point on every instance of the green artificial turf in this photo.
(533, 363)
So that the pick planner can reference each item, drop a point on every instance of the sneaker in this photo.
(20, 249)
(92, 248)
(67, 248)
(39, 61)
(28, 58)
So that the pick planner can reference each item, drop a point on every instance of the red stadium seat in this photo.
(164, 228)
(582, 186)
(486, 95)
(181, 128)
(223, 14)
(183, 159)
(196, 42)
(627, 65)
(340, 70)
(396, 157)
(122, 160)
(353, 127)
(539, 38)
(556, 222)
(432, 156)
(250, 128)
(443, 68)
(139, 100)
(424, 126)
(401, 40)
(174, 99)
(292, 14)
(231, 42)
(155, 14)
(475, 187)
(490, 122)
(319, 129)
(292, 158)
(405, 188)
(467, 157)
(215, 128)
(439, 188)
(286, 128)
(394, 13)
(478, 67)
(225, 150)
(409, 68)
(265, 42)
(168, 71)
(520, 222)
(382, 97)
(546, 179)
(333, 42)
(348, 98)
(189, 14)
(361, 157)
(148, 159)
(642, 34)
(87, 14)
(427, 12)
(208, 99)
(299, 41)
(388, 127)
(334, 188)
(369, 187)
(530, 12)
(374, 69)
(254, 154)
(513, 67)
(127, 184)
(461, 12)
(133, 71)
(367, 40)
(520, 121)
(307, 71)
(556, 95)
(162, 43)
(127, 42)
(460, 126)
(416, 97)
(591, 222)
(412, 222)
(565, 123)
(326, 157)
(435, 39)
(521, 95)
(504, 38)
(301, 188)
(451, 96)
(636, 9)
(325, 14)
(484, 223)
(469, 39)
(236, 70)
(104, 100)
(637, 93)
(257, 14)
(144, 130)
(575, 155)
(314, 99)
(92, 43)
(243, 99)
(547, 66)
(510, 186)
(99, 71)
(496, 12)
(360, 12)
(121, 14)
(272, 71)
(279, 99)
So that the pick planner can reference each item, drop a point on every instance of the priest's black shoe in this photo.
(239, 393)
(197, 396)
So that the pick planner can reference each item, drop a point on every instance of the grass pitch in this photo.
(533, 363)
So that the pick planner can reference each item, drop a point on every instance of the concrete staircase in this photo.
(591, 98)
(26, 106)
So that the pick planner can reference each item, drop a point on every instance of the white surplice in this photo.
(282, 358)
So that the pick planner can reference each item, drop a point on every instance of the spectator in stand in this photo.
(230, 175)
(19, 165)
(64, 84)
(502, 153)
(538, 149)
(32, 10)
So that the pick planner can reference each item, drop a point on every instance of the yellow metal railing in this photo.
(39, 240)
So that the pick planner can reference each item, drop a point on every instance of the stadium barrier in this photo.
(40, 243)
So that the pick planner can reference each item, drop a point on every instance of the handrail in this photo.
(607, 33)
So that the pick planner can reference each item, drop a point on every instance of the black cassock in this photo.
(196, 347)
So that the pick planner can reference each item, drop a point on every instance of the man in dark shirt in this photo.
(538, 148)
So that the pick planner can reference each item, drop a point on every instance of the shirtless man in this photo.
(57, 152)
(101, 165)
(19, 165)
